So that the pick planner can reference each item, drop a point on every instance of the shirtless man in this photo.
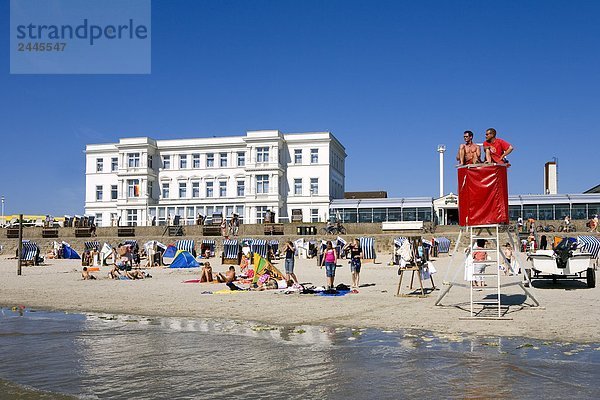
(468, 152)
(495, 148)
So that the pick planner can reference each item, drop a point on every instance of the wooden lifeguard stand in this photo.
(483, 214)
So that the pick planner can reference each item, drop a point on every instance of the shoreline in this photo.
(567, 313)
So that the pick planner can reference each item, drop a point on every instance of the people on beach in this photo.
(543, 242)
(86, 275)
(234, 225)
(356, 255)
(479, 265)
(508, 268)
(495, 148)
(468, 152)
(593, 223)
(330, 261)
(206, 274)
(289, 250)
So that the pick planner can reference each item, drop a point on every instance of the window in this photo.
(241, 188)
(314, 185)
(314, 215)
(133, 188)
(262, 154)
(166, 162)
(99, 164)
(241, 158)
(210, 160)
(260, 214)
(113, 192)
(222, 189)
(114, 164)
(133, 160)
(165, 190)
(239, 210)
(149, 161)
(195, 189)
(209, 189)
(262, 183)
(132, 217)
(196, 160)
(98, 218)
(182, 161)
(298, 187)
(182, 190)
(222, 159)
(98, 193)
(150, 189)
(298, 156)
(314, 156)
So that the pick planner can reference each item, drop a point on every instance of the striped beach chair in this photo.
(29, 255)
(91, 246)
(259, 246)
(339, 245)
(208, 245)
(187, 245)
(589, 244)
(368, 248)
(274, 247)
(232, 252)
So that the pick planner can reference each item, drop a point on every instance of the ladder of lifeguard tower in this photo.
(491, 234)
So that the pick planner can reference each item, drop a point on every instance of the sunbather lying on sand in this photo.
(85, 274)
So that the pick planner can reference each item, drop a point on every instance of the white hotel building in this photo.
(141, 179)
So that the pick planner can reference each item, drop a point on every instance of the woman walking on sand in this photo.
(329, 260)
(355, 263)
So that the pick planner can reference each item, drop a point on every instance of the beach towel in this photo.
(333, 293)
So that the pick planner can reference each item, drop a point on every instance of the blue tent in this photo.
(69, 253)
(169, 254)
(184, 259)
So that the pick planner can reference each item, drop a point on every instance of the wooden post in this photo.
(20, 244)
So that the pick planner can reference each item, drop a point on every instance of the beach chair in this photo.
(259, 246)
(232, 252)
(187, 245)
(30, 254)
(207, 248)
(368, 248)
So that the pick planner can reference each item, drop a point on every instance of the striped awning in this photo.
(368, 247)
(187, 245)
(443, 244)
(589, 244)
(231, 248)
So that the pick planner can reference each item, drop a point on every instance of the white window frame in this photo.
(223, 160)
(314, 186)
(182, 190)
(262, 154)
(166, 161)
(241, 158)
(98, 219)
(133, 160)
(99, 164)
(165, 190)
(297, 186)
(241, 185)
(114, 192)
(314, 156)
(210, 160)
(183, 161)
(196, 160)
(222, 189)
(262, 184)
(210, 189)
(314, 215)
(131, 184)
(99, 192)
(132, 217)
(114, 164)
(195, 190)
(298, 156)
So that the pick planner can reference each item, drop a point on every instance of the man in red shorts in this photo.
(468, 152)
(495, 148)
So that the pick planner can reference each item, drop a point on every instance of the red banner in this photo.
(482, 195)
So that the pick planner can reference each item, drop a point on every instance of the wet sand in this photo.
(568, 311)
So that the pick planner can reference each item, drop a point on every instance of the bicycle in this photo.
(546, 228)
(428, 229)
(567, 228)
(334, 230)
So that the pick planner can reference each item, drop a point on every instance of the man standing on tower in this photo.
(495, 148)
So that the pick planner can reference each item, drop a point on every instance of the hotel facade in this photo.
(140, 180)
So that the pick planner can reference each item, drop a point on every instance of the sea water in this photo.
(52, 355)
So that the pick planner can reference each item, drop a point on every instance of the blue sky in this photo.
(390, 79)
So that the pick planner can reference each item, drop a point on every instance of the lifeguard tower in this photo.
(483, 215)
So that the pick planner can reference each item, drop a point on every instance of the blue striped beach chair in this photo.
(187, 245)
(208, 245)
(589, 244)
(274, 247)
(368, 248)
(29, 255)
(232, 252)
(259, 246)
(91, 246)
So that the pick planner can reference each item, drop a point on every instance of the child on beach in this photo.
(479, 258)
(85, 274)
(330, 261)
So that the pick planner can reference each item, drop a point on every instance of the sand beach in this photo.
(568, 310)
